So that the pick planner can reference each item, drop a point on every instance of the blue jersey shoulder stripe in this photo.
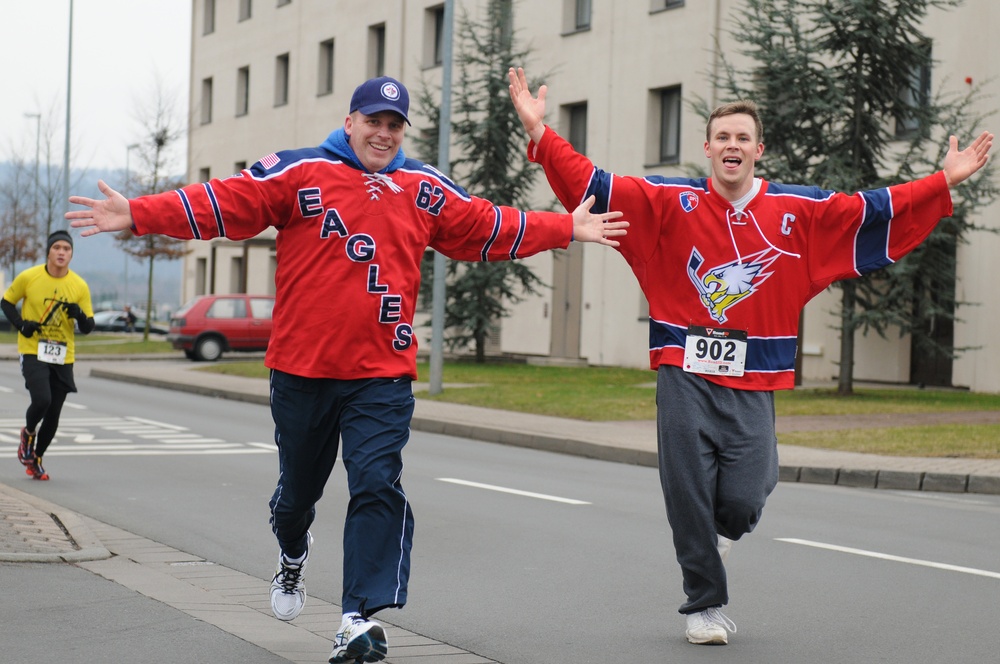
(684, 183)
(420, 168)
(798, 191)
(871, 246)
(288, 159)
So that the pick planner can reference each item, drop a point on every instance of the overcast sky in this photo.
(120, 47)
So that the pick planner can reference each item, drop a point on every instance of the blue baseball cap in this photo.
(381, 94)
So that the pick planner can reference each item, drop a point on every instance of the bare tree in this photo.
(161, 132)
(18, 231)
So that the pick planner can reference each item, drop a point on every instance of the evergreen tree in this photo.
(491, 164)
(842, 86)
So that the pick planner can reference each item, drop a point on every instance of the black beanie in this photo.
(54, 237)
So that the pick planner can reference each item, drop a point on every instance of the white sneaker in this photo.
(725, 544)
(359, 640)
(288, 590)
(709, 627)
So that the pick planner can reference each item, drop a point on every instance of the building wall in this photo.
(628, 51)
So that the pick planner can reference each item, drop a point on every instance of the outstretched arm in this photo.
(108, 215)
(530, 109)
(598, 228)
(959, 166)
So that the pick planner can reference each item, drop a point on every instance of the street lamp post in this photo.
(69, 87)
(127, 188)
(444, 143)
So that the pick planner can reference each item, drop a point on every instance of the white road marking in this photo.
(516, 492)
(74, 406)
(83, 436)
(886, 556)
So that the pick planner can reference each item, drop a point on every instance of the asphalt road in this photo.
(526, 557)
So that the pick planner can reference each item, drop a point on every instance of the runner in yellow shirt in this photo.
(54, 298)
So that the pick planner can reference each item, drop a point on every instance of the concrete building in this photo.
(273, 74)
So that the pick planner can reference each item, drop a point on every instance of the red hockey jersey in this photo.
(349, 247)
(701, 264)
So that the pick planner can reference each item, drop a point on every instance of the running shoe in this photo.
(359, 640)
(288, 589)
(26, 450)
(709, 627)
(35, 470)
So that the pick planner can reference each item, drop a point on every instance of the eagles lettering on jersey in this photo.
(349, 246)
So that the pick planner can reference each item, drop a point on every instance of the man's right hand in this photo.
(29, 327)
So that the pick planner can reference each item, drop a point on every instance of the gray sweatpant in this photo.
(718, 458)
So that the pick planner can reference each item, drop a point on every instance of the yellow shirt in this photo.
(43, 296)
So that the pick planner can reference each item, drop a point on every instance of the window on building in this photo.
(575, 118)
(434, 36)
(577, 13)
(376, 50)
(914, 98)
(200, 275)
(281, 80)
(237, 284)
(282, 3)
(669, 133)
(209, 18)
(660, 5)
(239, 166)
(204, 174)
(243, 90)
(506, 17)
(325, 83)
(206, 100)
(245, 10)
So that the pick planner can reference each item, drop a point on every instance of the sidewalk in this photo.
(163, 592)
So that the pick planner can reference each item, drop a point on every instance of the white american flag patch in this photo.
(270, 161)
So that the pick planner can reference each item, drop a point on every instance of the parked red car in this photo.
(210, 325)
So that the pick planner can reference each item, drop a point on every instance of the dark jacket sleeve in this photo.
(12, 314)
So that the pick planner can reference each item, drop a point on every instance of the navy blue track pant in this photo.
(372, 416)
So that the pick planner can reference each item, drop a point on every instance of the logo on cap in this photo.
(390, 91)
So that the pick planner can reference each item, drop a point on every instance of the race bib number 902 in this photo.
(715, 350)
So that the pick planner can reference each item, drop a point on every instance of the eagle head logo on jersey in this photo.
(689, 200)
(723, 286)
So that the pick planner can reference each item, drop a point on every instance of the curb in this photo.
(898, 480)
(181, 387)
(88, 546)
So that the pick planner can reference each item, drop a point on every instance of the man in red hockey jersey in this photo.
(727, 263)
(354, 217)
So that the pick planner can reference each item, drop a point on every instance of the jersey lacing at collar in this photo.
(375, 183)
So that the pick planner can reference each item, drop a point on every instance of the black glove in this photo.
(73, 310)
(29, 327)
